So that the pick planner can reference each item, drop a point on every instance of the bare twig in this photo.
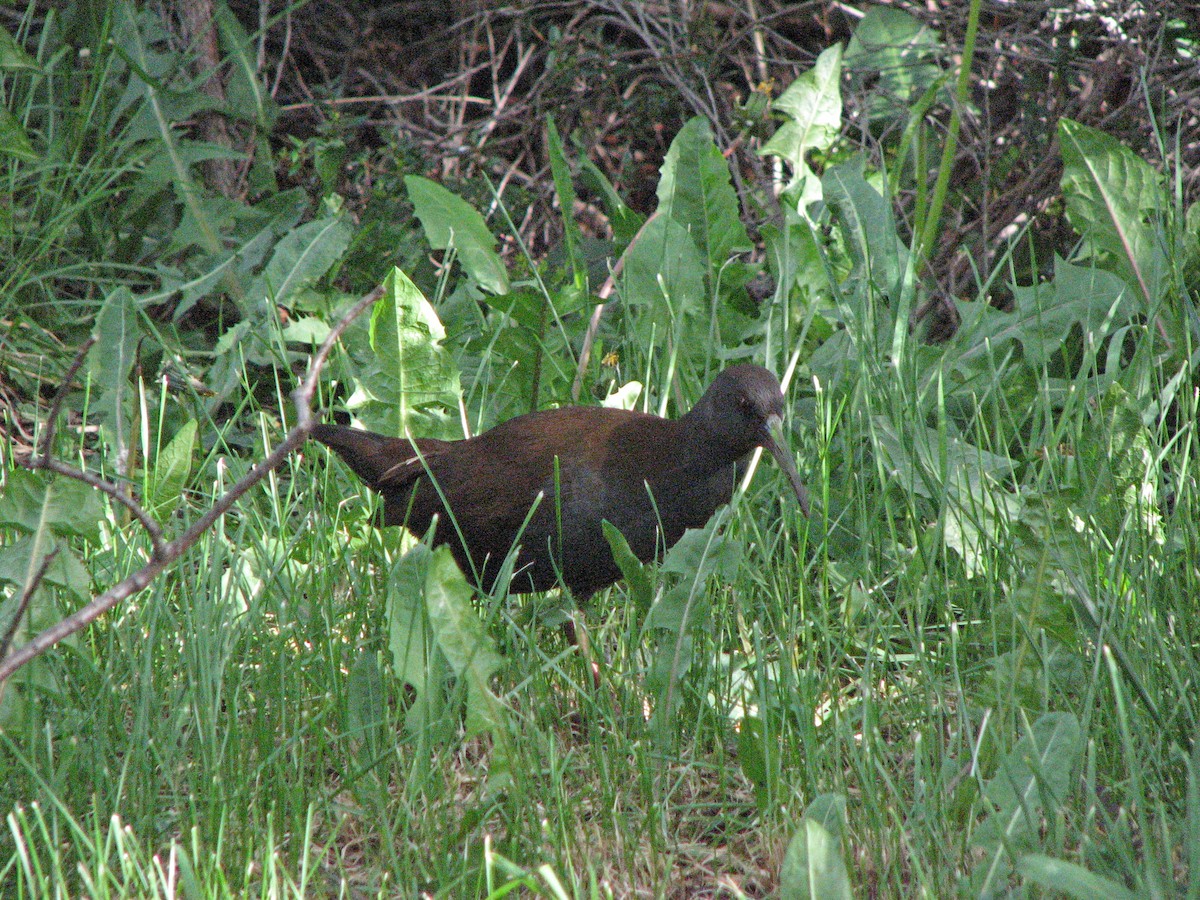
(296, 436)
(23, 603)
(112, 489)
(606, 289)
(61, 394)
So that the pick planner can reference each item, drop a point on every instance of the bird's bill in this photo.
(777, 447)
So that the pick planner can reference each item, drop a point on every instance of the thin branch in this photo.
(296, 436)
(157, 539)
(61, 395)
(23, 603)
(606, 289)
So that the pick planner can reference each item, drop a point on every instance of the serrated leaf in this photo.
(813, 106)
(869, 227)
(1114, 200)
(638, 579)
(21, 559)
(414, 661)
(67, 507)
(625, 222)
(450, 222)
(1117, 468)
(1032, 782)
(681, 610)
(12, 57)
(460, 636)
(664, 277)
(703, 552)
(406, 381)
(13, 139)
(246, 92)
(695, 191)
(891, 58)
(1043, 316)
(301, 257)
(965, 480)
(117, 332)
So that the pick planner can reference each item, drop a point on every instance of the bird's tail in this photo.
(369, 455)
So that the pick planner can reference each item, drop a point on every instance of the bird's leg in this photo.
(575, 631)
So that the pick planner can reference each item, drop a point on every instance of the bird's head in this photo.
(743, 409)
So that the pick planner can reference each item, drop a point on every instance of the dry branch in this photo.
(166, 553)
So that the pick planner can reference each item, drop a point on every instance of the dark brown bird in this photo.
(574, 467)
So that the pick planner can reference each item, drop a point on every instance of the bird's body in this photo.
(574, 467)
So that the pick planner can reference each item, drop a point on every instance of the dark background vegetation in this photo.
(467, 90)
(972, 672)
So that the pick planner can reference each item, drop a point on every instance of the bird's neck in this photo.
(700, 452)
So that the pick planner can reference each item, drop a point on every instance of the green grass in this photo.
(233, 730)
(972, 673)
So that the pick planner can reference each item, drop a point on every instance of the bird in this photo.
(546, 481)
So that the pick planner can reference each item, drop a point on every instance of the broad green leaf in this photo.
(664, 279)
(406, 381)
(67, 507)
(301, 257)
(625, 222)
(171, 470)
(706, 551)
(472, 657)
(637, 575)
(753, 756)
(306, 330)
(526, 305)
(117, 332)
(965, 480)
(1117, 468)
(1060, 876)
(681, 610)
(869, 229)
(813, 107)
(460, 636)
(19, 562)
(1044, 315)
(450, 222)
(892, 58)
(829, 811)
(205, 218)
(364, 697)
(1032, 782)
(797, 260)
(813, 867)
(246, 93)
(279, 215)
(415, 662)
(1115, 201)
(696, 192)
(12, 57)
(13, 139)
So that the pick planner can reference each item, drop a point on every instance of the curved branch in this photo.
(171, 551)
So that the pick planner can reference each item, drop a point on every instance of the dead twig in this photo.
(606, 289)
(169, 552)
(23, 602)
